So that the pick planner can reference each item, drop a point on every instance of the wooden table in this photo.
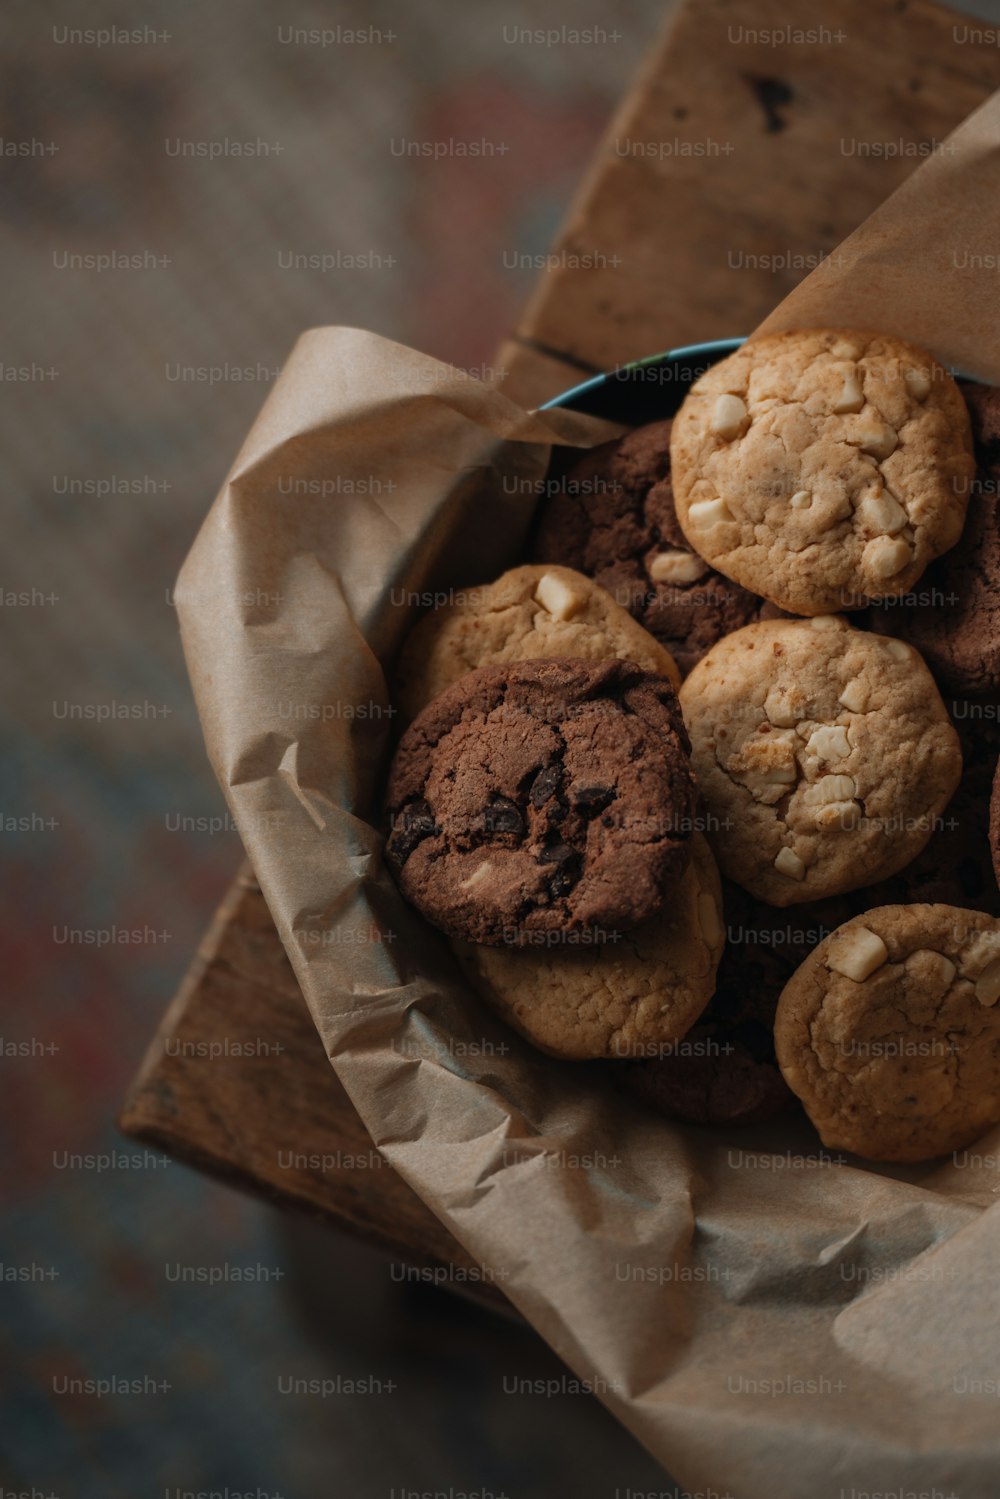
(726, 172)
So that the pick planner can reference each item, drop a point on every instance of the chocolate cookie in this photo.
(542, 797)
(714, 1075)
(889, 1033)
(823, 468)
(724, 1071)
(953, 616)
(995, 823)
(612, 516)
(983, 402)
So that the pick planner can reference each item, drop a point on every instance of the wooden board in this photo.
(794, 147)
(668, 230)
(236, 1082)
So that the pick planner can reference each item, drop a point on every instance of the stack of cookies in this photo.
(760, 640)
(543, 813)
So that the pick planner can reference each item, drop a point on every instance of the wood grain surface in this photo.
(734, 162)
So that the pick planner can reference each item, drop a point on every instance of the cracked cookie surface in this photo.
(889, 1033)
(612, 517)
(824, 756)
(542, 798)
(628, 996)
(823, 468)
(529, 613)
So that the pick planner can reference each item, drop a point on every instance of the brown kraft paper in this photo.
(773, 1322)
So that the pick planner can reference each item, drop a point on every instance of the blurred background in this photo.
(151, 296)
(126, 392)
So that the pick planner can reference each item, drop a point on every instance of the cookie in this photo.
(713, 1076)
(956, 866)
(823, 468)
(542, 798)
(995, 822)
(953, 617)
(983, 402)
(629, 995)
(889, 1033)
(529, 613)
(611, 515)
(724, 1071)
(823, 755)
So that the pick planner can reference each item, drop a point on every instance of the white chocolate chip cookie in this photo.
(889, 1032)
(629, 996)
(823, 468)
(528, 614)
(824, 755)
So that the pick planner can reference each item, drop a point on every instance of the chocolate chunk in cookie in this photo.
(611, 516)
(542, 797)
(823, 468)
(953, 615)
(889, 1033)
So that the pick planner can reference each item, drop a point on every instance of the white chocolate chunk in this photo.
(788, 863)
(898, 649)
(826, 622)
(801, 500)
(783, 708)
(843, 815)
(477, 876)
(730, 417)
(844, 349)
(854, 696)
(705, 513)
(780, 709)
(988, 984)
(885, 556)
(555, 596)
(980, 953)
(878, 439)
(851, 398)
(918, 383)
(856, 953)
(708, 919)
(781, 775)
(677, 567)
(835, 788)
(881, 513)
(830, 743)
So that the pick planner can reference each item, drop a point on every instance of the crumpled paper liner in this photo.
(771, 1321)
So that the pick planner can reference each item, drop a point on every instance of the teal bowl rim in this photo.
(716, 346)
(713, 349)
